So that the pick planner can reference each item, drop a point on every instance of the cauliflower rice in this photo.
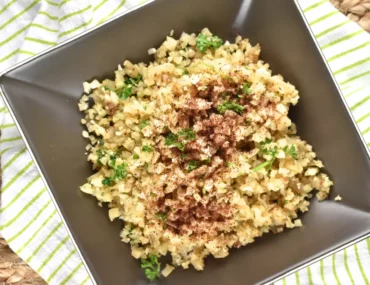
(195, 151)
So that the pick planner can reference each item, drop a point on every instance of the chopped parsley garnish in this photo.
(272, 152)
(222, 108)
(291, 151)
(207, 161)
(107, 88)
(125, 92)
(185, 72)
(135, 156)
(161, 215)
(246, 88)
(112, 160)
(229, 164)
(143, 124)
(147, 148)
(204, 42)
(130, 234)
(108, 181)
(112, 157)
(187, 134)
(133, 81)
(146, 166)
(192, 165)
(172, 139)
(151, 266)
(100, 154)
(100, 142)
(119, 172)
(263, 148)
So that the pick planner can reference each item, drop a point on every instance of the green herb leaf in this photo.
(263, 147)
(161, 215)
(133, 81)
(143, 124)
(204, 42)
(135, 156)
(185, 72)
(112, 160)
(192, 165)
(100, 142)
(172, 140)
(291, 151)
(271, 152)
(222, 108)
(147, 148)
(120, 172)
(246, 88)
(262, 165)
(107, 88)
(100, 154)
(108, 181)
(125, 93)
(207, 161)
(180, 146)
(187, 134)
(229, 164)
(151, 266)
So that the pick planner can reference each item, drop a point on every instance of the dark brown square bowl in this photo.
(43, 94)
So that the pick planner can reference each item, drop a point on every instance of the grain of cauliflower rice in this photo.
(195, 151)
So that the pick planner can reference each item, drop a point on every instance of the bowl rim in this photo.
(122, 14)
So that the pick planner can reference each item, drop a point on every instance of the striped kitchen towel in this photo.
(28, 218)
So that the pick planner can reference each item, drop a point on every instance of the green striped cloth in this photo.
(28, 219)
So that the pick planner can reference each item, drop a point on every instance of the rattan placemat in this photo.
(356, 10)
(14, 270)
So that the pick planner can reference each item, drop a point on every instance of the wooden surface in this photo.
(14, 270)
(356, 10)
